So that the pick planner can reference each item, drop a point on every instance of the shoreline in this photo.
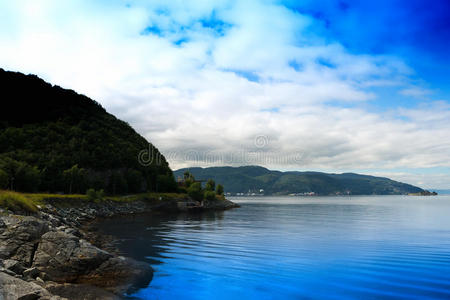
(55, 254)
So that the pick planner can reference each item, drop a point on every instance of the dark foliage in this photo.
(54, 129)
(195, 191)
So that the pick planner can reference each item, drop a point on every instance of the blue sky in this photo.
(338, 85)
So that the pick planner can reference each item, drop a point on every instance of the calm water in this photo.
(296, 248)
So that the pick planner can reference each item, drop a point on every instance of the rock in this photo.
(219, 204)
(64, 257)
(19, 239)
(39, 279)
(9, 272)
(16, 289)
(80, 292)
(13, 265)
(120, 274)
(31, 272)
(2, 223)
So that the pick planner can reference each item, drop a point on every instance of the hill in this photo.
(53, 139)
(253, 178)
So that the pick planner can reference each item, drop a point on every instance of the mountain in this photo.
(254, 178)
(53, 139)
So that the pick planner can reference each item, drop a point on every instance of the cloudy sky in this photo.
(332, 86)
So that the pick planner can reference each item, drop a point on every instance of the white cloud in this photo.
(194, 99)
(416, 92)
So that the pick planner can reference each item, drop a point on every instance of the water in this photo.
(378, 247)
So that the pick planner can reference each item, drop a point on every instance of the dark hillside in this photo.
(53, 139)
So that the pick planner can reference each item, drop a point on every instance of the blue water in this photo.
(381, 247)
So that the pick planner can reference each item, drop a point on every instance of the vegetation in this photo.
(219, 189)
(253, 179)
(93, 195)
(210, 195)
(195, 191)
(17, 202)
(210, 185)
(55, 140)
(29, 202)
(194, 188)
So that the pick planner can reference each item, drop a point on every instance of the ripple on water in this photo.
(296, 248)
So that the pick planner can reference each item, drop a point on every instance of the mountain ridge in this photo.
(252, 179)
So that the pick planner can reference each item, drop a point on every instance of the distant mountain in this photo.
(253, 179)
(53, 139)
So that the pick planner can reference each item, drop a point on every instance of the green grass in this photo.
(148, 197)
(17, 202)
(29, 202)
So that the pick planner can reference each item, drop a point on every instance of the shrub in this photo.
(210, 195)
(195, 191)
(210, 185)
(17, 202)
(94, 195)
(219, 189)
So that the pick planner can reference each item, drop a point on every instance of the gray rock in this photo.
(16, 289)
(119, 274)
(80, 292)
(19, 239)
(64, 257)
(13, 265)
(9, 272)
(31, 272)
(40, 280)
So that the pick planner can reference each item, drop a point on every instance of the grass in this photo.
(29, 202)
(17, 202)
(148, 197)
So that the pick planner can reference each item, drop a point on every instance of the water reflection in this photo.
(146, 237)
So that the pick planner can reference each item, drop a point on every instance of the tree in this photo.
(195, 191)
(188, 179)
(166, 183)
(3, 179)
(75, 178)
(20, 175)
(210, 185)
(135, 181)
(219, 189)
(117, 183)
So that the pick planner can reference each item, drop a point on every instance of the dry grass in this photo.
(28, 202)
(17, 202)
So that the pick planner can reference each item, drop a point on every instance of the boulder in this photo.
(64, 257)
(120, 275)
(80, 292)
(12, 288)
(19, 238)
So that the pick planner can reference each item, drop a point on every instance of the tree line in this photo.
(195, 190)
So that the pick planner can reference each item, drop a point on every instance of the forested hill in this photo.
(253, 178)
(53, 139)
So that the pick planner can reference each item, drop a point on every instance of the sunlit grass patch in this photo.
(17, 202)
(148, 197)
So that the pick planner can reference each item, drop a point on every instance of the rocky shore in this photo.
(50, 255)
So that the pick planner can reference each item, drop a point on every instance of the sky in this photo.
(334, 85)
